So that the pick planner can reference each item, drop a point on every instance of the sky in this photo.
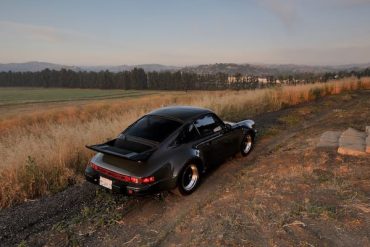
(185, 32)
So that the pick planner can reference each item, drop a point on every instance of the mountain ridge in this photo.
(228, 68)
(34, 66)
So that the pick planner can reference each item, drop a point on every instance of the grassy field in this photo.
(287, 192)
(43, 152)
(11, 96)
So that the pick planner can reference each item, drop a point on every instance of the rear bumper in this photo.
(128, 188)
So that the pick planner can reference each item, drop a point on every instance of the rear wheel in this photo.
(247, 144)
(188, 180)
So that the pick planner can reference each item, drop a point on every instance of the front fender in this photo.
(245, 124)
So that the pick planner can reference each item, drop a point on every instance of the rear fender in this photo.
(193, 160)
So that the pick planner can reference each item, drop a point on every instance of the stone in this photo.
(329, 139)
(352, 142)
(368, 130)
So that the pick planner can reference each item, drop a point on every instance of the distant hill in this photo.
(146, 67)
(38, 66)
(33, 66)
(228, 68)
(268, 69)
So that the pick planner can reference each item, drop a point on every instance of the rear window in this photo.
(153, 128)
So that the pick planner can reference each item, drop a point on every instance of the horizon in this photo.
(267, 32)
(194, 65)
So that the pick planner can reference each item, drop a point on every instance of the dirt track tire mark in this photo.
(19, 222)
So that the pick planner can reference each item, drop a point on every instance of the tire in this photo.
(188, 180)
(247, 144)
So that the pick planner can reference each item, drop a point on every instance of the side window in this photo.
(188, 134)
(207, 125)
(191, 133)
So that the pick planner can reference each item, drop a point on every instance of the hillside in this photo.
(33, 66)
(269, 69)
(227, 68)
(146, 67)
(39, 66)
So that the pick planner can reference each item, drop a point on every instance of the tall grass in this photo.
(43, 152)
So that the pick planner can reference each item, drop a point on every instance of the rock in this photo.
(352, 142)
(368, 139)
(329, 139)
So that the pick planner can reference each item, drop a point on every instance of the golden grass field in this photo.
(43, 152)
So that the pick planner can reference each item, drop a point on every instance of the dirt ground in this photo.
(286, 193)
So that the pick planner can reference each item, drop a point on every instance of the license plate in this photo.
(107, 183)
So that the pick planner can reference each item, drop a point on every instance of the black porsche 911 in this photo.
(168, 149)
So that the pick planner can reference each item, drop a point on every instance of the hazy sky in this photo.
(185, 32)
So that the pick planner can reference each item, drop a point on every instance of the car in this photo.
(168, 149)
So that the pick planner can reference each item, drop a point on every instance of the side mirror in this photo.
(227, 127)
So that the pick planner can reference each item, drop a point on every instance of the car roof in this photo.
(183, 113)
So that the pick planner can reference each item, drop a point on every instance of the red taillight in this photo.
(148, 180)
(121, 177)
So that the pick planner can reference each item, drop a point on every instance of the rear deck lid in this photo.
(126, 147)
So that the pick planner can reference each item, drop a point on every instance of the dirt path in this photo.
(270, 197)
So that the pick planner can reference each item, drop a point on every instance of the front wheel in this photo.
(188, 180)
(247, 144)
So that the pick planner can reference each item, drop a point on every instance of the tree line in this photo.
(139, 79)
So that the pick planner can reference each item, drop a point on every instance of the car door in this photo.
(212, 145)
(231, 138)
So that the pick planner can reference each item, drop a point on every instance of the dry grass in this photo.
(44, 152)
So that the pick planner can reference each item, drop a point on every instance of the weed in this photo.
(273, 131)
(314, 210)
(72, 239)
(290, 120)
(60, 226)
(316, 93)
(23, 243)
(323, 175)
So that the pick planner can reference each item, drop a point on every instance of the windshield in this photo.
(153, 128)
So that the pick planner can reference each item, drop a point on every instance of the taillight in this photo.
(135, 180)
(124, 178)
(148, 180)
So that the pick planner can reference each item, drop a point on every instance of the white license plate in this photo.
(107, 183)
